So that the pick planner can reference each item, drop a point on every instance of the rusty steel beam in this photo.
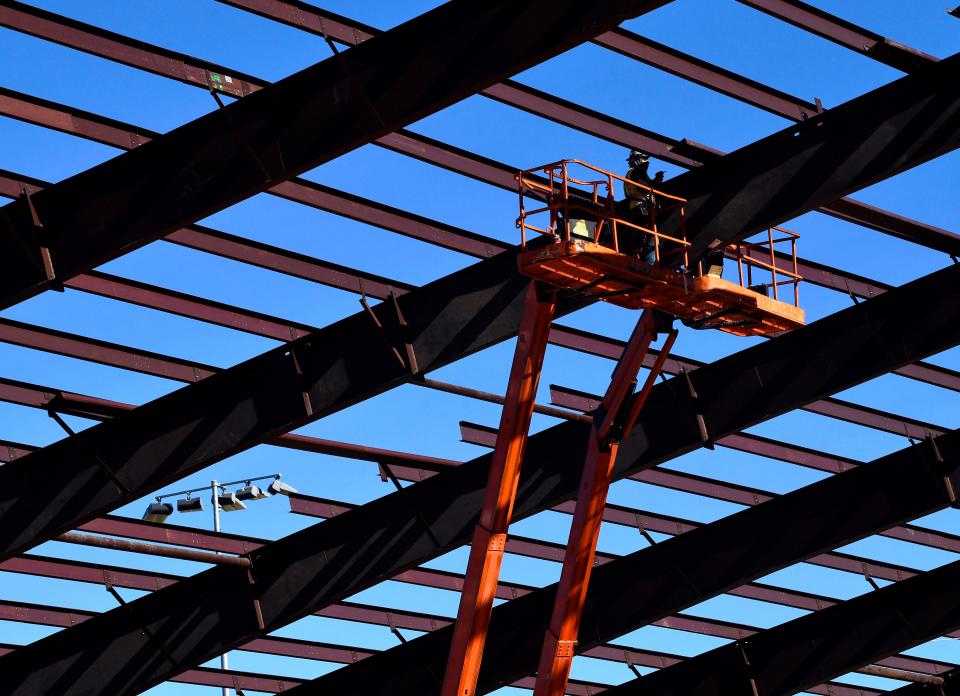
(726, 82)
(844, 33)
(227, 543)
(211, 541)
(341, 277)
(310, 650)
(274, 134)
(615, 514)
(113, 354)
(746, 496)
(95, 408)
(787, 658)
(534, 548)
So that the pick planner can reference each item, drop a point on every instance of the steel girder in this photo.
(844, 33)
(645, 586)
(72, 481)
(274, 134)
(877, 135)
(814, 648)
(215, 610)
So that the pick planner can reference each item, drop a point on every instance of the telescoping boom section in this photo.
(591, 245)
(614, 250)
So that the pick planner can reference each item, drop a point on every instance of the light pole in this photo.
(159, 511)
(215, 499)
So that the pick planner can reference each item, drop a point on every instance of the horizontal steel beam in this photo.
(232, 543)
(613, 514)
(813, 648)
(104, 542)
(701, 72)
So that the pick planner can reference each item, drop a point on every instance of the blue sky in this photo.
(411, 418)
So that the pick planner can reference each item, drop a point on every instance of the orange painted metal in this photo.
(598, 250)
(559, 644)
(486, 550)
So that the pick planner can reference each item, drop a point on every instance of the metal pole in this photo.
(153, 549)
(215, 489)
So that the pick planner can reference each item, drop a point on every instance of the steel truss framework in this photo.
(57, 233)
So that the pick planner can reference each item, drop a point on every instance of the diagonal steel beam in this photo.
(303, 380)
(325, 563)
(276, 133)
(640, 588)
(85, 124)
(809, 650)
(341, 277)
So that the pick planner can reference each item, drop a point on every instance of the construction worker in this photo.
(639, 200)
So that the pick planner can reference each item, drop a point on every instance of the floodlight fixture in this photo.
(158, 512)
(251, 492)
(228, 502)
(279, 487)
(189, 504)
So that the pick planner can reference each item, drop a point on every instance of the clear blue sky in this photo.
(410, 418)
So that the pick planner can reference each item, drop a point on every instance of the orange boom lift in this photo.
(592, 247)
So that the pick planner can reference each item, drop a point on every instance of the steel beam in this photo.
(528, 547)
(341, 277)
(726, 82)
(85, 124)
(852, 145)
(229, 543)
(322, 564)
(814, 648)
(635, 590)
(276, 133)
(159, 365)
(742, 495)
(844, 33)
(251, 402)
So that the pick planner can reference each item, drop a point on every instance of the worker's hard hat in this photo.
(637, 154)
